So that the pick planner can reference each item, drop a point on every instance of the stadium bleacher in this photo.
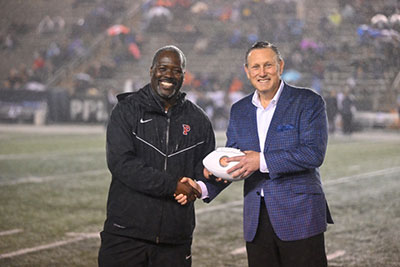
(318, 39)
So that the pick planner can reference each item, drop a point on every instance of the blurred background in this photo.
(64, 61)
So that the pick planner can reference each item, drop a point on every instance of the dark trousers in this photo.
(347, 123)
(267, 250)
(122, 251)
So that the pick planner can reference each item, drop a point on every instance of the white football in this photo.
(216, 164)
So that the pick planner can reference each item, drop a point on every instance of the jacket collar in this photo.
(152, 101)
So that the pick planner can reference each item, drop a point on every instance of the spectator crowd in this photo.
(311, 50)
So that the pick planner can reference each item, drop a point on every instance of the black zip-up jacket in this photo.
(148, 151)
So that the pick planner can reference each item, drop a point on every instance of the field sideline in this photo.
(54, 182)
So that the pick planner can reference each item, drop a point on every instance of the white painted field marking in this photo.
(87, 235)
(341, 180)
(11, 232)
(362, 176)
(328, 183)
(34, 179)
(79, 237)
(335, 254)
(83, 236)
(238, 251)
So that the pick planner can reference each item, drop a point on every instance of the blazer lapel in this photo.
(253, 132)
(283, 104)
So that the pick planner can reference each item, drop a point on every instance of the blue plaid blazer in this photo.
(294, 149)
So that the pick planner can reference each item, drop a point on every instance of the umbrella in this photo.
(395, 18)
(117, 29)
(159, 11)
(134, 49)
(379, 20)
(199, 7)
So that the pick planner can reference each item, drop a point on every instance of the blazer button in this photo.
(258, 193)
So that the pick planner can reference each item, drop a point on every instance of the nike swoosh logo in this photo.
(188, 257)
(144, 121)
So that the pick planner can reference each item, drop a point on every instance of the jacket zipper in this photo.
(165, 167)
(166, 143)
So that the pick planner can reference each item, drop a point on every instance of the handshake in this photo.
(187, 190)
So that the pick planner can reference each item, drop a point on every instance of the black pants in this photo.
(122, 251)
(267, 250)
(347, 122)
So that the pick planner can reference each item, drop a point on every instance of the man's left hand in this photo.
(246, 165)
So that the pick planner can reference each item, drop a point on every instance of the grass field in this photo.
(54, 183)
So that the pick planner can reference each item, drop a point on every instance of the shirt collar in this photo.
(256, 98)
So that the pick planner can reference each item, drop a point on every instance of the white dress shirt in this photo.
(264, 118)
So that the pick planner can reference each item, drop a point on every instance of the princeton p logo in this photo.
(186, 129)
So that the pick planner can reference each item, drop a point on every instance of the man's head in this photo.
(264, 66)
(167, 72)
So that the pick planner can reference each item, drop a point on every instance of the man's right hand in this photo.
(187, 190)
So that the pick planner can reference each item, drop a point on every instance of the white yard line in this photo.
(87, 235)
(83, 236)
(48, 246)
(329, 183)
(362, 176)
(341, 180)
(238, 251)
(11, 232)
(335, 254)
